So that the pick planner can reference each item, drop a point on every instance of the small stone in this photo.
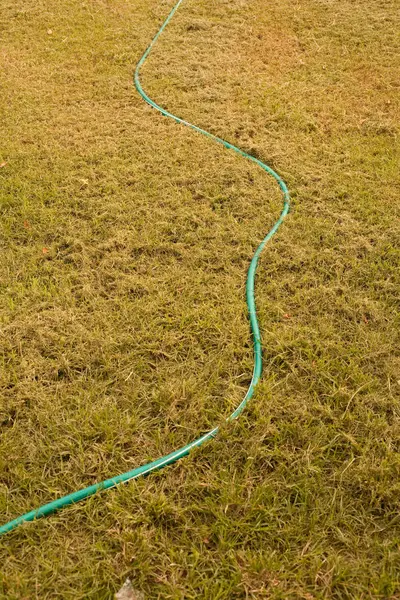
(127, 592)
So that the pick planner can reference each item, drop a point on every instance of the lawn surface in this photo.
(125, 240)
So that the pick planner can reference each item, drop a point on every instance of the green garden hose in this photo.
(52, 507)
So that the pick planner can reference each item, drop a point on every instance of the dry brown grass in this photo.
(125, 242)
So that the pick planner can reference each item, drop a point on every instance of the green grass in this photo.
(125, 241)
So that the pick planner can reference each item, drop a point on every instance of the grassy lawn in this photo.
(125, 240)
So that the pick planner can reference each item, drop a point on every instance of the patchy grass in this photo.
(125, 243)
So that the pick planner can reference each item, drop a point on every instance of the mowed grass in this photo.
(125, 240)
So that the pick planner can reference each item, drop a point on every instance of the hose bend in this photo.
(56, 505)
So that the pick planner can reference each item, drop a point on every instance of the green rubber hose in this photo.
(52, 507)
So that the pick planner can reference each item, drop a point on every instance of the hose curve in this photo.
(79, 495)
